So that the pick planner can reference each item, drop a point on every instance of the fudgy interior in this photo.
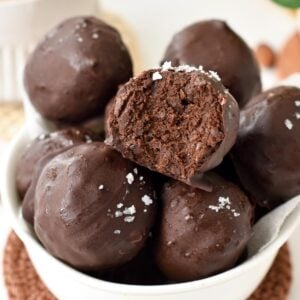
(172, 125)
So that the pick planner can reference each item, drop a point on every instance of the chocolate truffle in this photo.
(42, 146)
(76, 69)
(202, 233)
(176, 121)
(215, 46)
(267, 152)
(289, 59)
(93, 208)
(141, 270)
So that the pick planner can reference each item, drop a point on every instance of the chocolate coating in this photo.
(76, 69)
(180, 125)
(44, 145)
(267, 152)
(202, 233)
(141, 270)
(215, 46)
(94, 209)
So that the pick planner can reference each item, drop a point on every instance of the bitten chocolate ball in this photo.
(177, 121)
(202, 233)
(215, 46)
(42, 146)
(76, 69)
(267, 152)
(94, 209)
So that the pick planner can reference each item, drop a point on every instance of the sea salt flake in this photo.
(129, 210)
(288, 124)
(117, 231)
(129, 219)
(101, 187)
(135, 171)
(130, 178)
(214, 75)
(118, 214)
(95, 36)
(167, 65)
(42, 136)
(88, 139)
(145, 210)
(120, 205)
(147, 200)
(80, 39)
(215, 208)
(141, 178)
(186, 68)
(297, 103)
(297, 116)
(156, 76)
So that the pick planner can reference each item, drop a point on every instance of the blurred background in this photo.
(146, 26)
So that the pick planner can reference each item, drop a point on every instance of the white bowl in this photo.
(67, 283)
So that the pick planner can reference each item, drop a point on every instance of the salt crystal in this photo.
(118, 214)
(156, 76)
(95, 36)
(117, 231)
(141, 178)
(129, 210)
(120, 205)
(288, 124)
(214, 75)
(297, 116)
(166, 66)
(297, 103)
(80, 39)
(129, 219)
(130, 178)
(101, 187)
(147, 200)
(88, 139)
(135, 170)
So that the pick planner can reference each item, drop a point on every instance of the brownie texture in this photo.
(177, 121)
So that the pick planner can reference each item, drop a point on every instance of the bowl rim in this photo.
(9, 192)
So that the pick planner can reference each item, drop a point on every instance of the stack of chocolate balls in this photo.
(154, 203)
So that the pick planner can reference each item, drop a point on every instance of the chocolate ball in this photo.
(176, 121)
(141, 270)
(267, 152)
(202, 233)
(42, 146)
(215, 46)
(94, 209)
(76, 69)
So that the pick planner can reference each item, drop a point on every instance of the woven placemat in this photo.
(23, 283)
